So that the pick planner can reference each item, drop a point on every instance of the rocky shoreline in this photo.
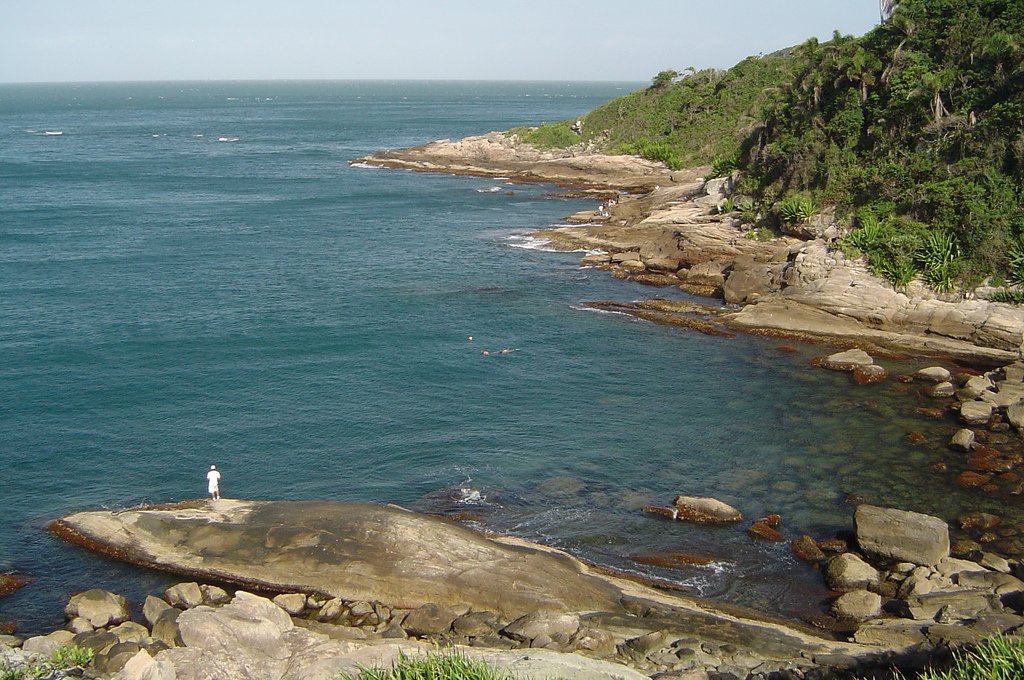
(663, 228)
(346, 586)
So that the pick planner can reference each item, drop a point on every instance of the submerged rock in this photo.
(703, 510)
(848, 360)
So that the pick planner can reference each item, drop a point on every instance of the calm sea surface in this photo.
(193, 274)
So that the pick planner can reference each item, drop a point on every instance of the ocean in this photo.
(193, 274)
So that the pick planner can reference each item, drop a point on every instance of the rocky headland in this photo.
(664, 228)
(345, 586)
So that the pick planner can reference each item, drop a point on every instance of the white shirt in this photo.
(214, 478)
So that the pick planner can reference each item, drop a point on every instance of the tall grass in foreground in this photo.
(997, 658)
(434, 666)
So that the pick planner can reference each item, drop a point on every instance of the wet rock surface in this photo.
(595, 615)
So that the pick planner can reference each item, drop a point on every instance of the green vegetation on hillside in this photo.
(913, 132)
(916, 131)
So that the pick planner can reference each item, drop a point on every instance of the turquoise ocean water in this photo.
(193, 274)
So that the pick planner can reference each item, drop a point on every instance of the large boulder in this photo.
(356, 551)
(1015, 414)
(705, 510)
(45, 645)
(901, 535)
(293, 603)
(976, 412)
(99, 607)
(857, 605)
(543, 623)
(430, 619)
(142, 666)
(849, 572)
(184, 595)
(748, 282)
(153, 608)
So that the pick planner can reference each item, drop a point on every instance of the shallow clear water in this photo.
(169, 300)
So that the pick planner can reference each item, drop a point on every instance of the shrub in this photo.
(548, 136)
(661, 152)
(939, 260)
(448, 665)
(1015, 256)
(72, 656)
(797, 209)
(723, 165)
(727, 207)
(1013, 297)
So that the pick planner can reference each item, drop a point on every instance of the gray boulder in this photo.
(934, 374)
(99, 607)
(940, 390)
(45, 645)
(129, 631)
(976, 412)
(963, 439)
(1015, 414)
(293, 603)
(748, 283)
(948, 606)
(332, 610)
(705, 510)
(848, 360)
(549, 623)
(849, 572)
(213, 595)
(974, 387)
(475, 624)
(166, 628)
(153, 608)
(857, 605)
(430, 619)
(116, 658)
(184, 595)
(901, 535)
(144, 667)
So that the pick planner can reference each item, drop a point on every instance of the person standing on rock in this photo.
(213, 479)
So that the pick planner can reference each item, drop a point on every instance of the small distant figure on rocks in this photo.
(213, 479)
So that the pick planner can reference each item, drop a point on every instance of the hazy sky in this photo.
(80, 40)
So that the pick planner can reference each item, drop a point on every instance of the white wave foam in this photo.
(597, 310)
(489, 190)
(364, 165)
(470, 496)
(227, 139)
(530, 243)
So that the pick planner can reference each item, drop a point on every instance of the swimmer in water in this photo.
(506, 350)
(486, 353)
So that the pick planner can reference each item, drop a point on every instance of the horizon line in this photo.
(315, 80)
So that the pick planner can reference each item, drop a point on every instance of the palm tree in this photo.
(885, 8)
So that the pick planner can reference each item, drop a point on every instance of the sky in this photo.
(612, 40)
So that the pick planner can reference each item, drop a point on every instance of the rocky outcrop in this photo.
(793, 285)
(360, 551)
(538, 598)
(499, 155)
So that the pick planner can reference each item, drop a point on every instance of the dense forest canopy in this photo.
(914, 132)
